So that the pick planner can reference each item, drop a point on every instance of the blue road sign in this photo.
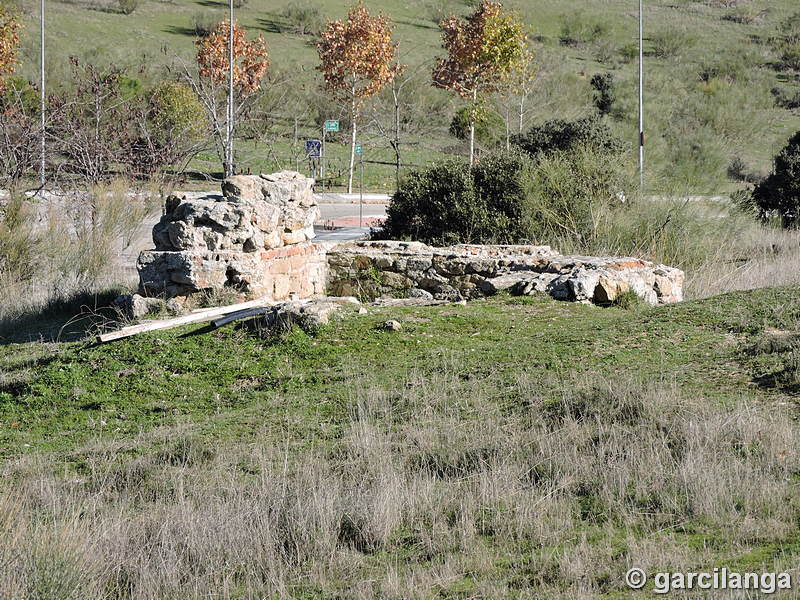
(313, 148)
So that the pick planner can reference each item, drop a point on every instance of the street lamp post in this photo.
(229, 166)
(641, 98)
(41, 97)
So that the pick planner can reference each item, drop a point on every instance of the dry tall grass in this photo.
(65, 245)
(438, 484)
(720, 248)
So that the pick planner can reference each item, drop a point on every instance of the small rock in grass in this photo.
(391, 325)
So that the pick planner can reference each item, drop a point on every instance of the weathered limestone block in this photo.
(254, 239)
(468, 271)
(276, 273)
(254, 212)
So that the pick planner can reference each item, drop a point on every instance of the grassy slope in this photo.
(732, 119)
(157, 378)
(242, 396)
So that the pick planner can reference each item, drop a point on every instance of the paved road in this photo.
(348, 212)
(342, 198)
(341, 234)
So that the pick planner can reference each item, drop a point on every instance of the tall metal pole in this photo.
(641, 97)
(42, 96)
(229, 166)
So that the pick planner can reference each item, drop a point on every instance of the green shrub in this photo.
(784, 98)
(172, 123)
(488, 127)
(629, 52)
(127, 7)
(450, 203)
(302, 17)
(20, 94)
(790, 55)
(508, 197)
(672, 42)
(604, 92)
(204, 23)
(577, 30)
(570, 194)
(779, 193)
(559, 135)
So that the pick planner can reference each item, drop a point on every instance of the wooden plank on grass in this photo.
(240, 314)
(197, 317)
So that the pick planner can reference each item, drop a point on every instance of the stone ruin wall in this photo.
(256, 239)
(464, 272)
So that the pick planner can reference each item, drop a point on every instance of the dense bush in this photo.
(450, 203)
(488, 127)
(559, 135)
(171, 126)
(604, 92)
(508, 197)
(779, 193)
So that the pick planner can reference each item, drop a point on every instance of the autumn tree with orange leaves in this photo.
(251, 62)
(9, 44)
(483, 50)
(357, 60)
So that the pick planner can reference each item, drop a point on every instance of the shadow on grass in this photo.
(69, 319)
(271, 25)
(179, 30)
(417, 24)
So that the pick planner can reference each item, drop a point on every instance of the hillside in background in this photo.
(719, 94)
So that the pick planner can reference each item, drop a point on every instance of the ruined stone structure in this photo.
(463, 272)
(256, 239)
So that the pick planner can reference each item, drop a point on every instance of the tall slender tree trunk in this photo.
(472, 127)
(352, 143)
(508, 127)
(397, 138)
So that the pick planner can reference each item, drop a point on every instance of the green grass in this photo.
(176, 433)
(71, 392)
(695, 128)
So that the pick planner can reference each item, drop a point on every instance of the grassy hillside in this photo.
(510, 448)
(710, 68)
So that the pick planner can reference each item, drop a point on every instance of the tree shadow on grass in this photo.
(70, 319)
(179, 30)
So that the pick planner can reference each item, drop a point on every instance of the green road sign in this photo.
(331, 125)
(359, 149)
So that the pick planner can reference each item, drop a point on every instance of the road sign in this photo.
(331, 125)
(359, 149)
(313, 148)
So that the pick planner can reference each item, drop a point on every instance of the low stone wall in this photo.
(412, 269)
(255, 239)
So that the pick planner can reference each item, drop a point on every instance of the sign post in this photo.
(332, 126)
(313, 153)
(360, 152)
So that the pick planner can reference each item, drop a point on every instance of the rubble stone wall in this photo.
(255, 239)
(412, 269)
